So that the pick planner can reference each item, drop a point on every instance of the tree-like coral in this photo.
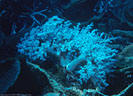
(74, 43)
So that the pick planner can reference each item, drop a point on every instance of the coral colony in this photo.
(78, 43)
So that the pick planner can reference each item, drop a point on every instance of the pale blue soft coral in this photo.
(63, 37)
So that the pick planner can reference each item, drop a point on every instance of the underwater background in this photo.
(66, 47)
